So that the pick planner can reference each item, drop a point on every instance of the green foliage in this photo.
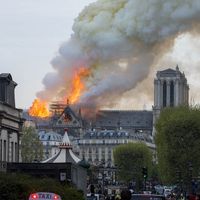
(130, 159)
(31, 147)
(177, 141)
(17, 186)
(154, 173)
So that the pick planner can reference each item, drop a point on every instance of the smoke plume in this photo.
(119, 41)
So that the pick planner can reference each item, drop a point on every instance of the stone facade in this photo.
(96, 140)
(96, 147)
(170, 90)
(132, 120)
(11, 122)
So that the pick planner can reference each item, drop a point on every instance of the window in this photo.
(83, 154)
(103, 154)
(109, 154)
(0, 150)
(171, 94)
(12, 151)
(16, 152)
(96, 154)
(4, 150)
(164, 94)
(3, 92)
(90, 154)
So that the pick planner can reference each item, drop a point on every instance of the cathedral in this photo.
(170, 89)
(119, 127)
(92, 142)
(95, 141)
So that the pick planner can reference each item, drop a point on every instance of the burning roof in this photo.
(114, 45)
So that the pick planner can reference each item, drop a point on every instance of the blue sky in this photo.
(31, 32)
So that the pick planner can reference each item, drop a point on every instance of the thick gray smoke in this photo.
(119, 40)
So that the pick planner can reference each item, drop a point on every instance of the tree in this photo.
(177, 140)
(130, 159)
(19, 186)
(31, 147)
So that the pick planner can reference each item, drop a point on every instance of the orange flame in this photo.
(78, 86)
(39, 109)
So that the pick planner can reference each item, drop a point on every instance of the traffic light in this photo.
(144, 172)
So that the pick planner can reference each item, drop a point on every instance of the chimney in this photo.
(7, 89)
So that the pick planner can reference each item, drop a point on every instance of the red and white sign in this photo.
(44, 196)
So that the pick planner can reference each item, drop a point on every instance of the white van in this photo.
(44, 196)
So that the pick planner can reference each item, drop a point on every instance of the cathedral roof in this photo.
(169, 70)
(167, 73)
(117, 118)
(68, 119)
(170, 73)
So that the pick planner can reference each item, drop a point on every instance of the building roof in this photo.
(116, 118)
(8, 77)
(119, 134)
(105, 134)
(49, 136)
(68, 119)
(65, 153)
(171, 73)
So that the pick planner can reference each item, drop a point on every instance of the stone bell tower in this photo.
(170, 90)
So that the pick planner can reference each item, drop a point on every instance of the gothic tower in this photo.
(170, 89)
